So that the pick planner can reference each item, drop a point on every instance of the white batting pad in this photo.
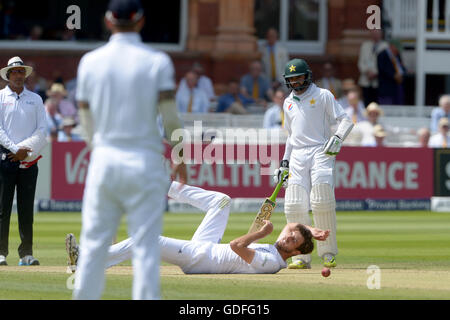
(323, 205)
(296, 209)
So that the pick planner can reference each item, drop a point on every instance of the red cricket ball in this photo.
(326, 272)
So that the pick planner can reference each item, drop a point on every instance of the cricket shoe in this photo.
(72, 252)
(329, 260)
(28, 260)
(299, 264)
(3, 260)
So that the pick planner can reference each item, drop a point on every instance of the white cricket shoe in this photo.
(3, 260)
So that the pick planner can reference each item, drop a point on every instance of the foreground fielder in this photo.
(311, 147)
(118, 89)
(204, 253)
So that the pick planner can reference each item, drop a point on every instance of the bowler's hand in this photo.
(267, 228)
(21, 154)
(319, 234)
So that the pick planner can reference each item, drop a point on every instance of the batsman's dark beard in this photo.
(280, 247)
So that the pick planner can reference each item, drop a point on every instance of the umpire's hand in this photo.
(20, 155)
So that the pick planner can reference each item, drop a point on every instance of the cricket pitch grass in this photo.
(411, 252)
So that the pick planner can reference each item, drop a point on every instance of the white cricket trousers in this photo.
(182, 252)
(122, 181)
(311, 185)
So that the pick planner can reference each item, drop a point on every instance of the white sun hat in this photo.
(15, 62)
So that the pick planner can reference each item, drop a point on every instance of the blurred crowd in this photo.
(13, 27)
(261, 90)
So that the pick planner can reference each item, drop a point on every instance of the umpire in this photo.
(22, 137)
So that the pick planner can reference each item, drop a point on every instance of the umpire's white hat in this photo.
(15, 62)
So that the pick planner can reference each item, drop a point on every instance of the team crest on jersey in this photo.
(312, 103)
(290, 107)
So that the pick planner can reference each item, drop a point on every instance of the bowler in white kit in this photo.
(205, 254)
(119, 87)
(311, 147)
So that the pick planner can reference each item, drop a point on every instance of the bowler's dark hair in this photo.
(307, 246)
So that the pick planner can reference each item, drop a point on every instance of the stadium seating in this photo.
(401, 122)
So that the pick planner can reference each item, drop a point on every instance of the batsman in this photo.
(310, 113)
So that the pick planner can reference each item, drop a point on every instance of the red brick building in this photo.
(223, 35)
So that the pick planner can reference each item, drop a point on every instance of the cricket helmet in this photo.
(295, 68)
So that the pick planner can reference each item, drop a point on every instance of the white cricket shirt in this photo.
(309, 117)
(121, 82)
(20, 116)
(220, 258)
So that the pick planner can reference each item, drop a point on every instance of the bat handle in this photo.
(274, 195)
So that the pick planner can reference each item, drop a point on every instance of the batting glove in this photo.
(333, 146)
(278, 173)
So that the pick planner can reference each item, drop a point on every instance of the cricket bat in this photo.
(267, 207)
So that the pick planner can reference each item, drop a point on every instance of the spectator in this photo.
(443, 111)
(204, 82)
(11, 26)
(36, 83)
(367, 65)
(391, 73)
(68, 35)
(347, 85)
(365, 127)
(71, 87)
(379, 134)
(274, 57)
(423, 135)
(57, 92)
(54, 119)
(233, 101)
(355, 107)
(190, 98)
(274, 116)
(328, 81)
(36, 33)
(440, 139)
(256, 86)
(66, 134)
(3, 83)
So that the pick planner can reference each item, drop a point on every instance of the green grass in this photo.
(412, 250)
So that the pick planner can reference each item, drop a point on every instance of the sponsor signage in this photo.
(70, 161)
(442, 172)
(59, 205)
(384, 173)
(245, 171)
(440, 204)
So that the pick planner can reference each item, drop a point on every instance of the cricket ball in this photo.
(326, 272)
